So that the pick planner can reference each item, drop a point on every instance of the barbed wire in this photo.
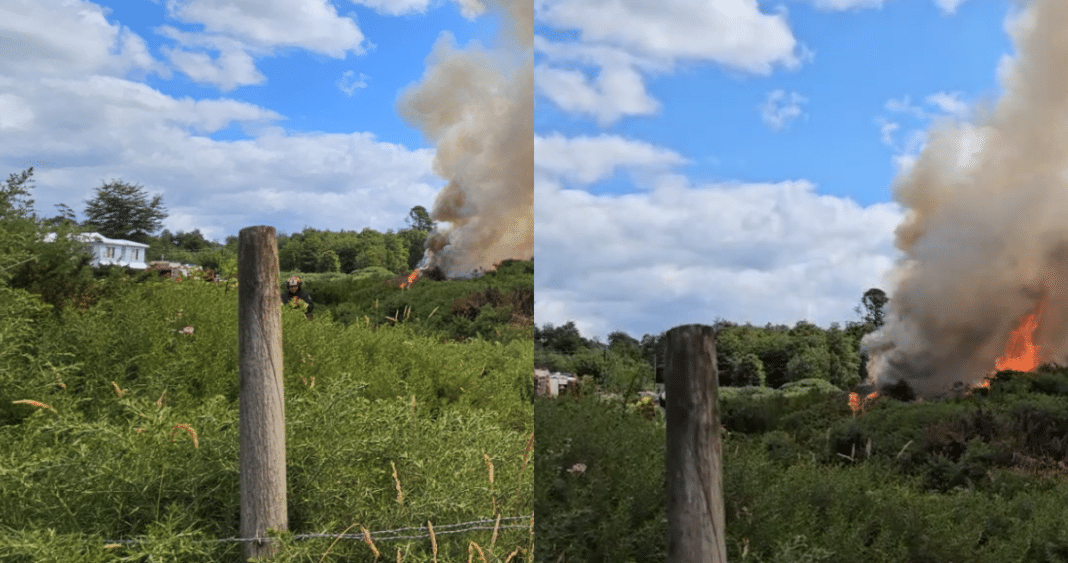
(383, 535)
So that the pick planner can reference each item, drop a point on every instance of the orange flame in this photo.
(411, 279)
(1021, 353)
(858, 405)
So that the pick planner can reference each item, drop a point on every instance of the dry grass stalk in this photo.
(513, 554)
(400, 493)
(33, 403)
(496, 529)
(413, 404)
(471, 548)
(159, 402)
(433, 540)
(367, 538)
(119, 392)
(187, 428)
(493, 495)
(431, 313)
(398, 555)
(339, 536)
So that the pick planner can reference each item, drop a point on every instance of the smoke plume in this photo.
(477, 106)
(985, 240)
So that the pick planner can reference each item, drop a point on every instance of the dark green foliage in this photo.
(123, 211)
(976, 478)
(497, 306)
(612, 508)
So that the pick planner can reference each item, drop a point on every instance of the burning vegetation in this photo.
(983, 285)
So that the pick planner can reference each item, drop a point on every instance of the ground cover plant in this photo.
(979, 477)
(119, 423)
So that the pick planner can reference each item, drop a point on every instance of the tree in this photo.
(124, 211)
(15, 195)
(873, 302)
(419, 219)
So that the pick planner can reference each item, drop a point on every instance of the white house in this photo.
(552, 384)
(107, 251)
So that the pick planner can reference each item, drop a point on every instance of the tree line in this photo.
(766, 356)
(123, 210)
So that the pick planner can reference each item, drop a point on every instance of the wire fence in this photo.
(427, 532)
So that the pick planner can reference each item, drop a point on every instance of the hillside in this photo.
(119, 418)
(976, 478)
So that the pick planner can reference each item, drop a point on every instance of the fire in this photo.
(411, 279)
(858, 405)
(1021, 353)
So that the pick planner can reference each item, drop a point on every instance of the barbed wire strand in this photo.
(383, 535)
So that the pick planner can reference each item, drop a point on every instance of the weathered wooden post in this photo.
(694, 452)
(262, 410)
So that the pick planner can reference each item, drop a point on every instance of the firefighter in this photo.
(294, 288)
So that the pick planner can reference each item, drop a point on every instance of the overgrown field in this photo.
(978, 478)
(120, 438)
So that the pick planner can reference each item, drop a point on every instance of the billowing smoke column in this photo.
(986, 235)
(477, 106)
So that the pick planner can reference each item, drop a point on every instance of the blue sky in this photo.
(736, 161)
(239, 112)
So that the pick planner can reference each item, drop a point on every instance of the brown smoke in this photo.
(986, 235)
(477, 106)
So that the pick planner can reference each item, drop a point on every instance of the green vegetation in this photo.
(980, 477)
(119, 408)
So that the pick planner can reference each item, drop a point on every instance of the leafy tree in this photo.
(873, 303)
(15, 195)
(328, 262)
(563, 339)
(751, 371)
(124, 211)
(419, 219)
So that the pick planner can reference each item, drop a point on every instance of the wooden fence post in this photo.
(262, 409)
(694, 458)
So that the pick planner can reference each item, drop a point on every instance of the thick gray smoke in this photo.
(477, 106)
(986, 235)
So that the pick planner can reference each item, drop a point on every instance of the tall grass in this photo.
(139, 443)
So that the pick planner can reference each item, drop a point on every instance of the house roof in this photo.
(97, 237)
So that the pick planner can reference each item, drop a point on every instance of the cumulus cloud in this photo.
(116, 128)
(586, 160)
(628, 40)
(308, 24)
(56, 38)
(780, 108)
(697, 252)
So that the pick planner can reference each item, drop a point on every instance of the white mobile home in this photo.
(106, 251)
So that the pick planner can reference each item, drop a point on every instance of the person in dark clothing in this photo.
(294, 289)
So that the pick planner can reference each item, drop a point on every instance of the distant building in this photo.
(552, 384)
(111, 252)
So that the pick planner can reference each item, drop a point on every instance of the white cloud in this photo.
(848, 4)
(780, 108)
(949, 103)
(63, 38)
(232, 67)
(904, 105)
(586, 160)
(617, 92)
(468, 8)
(734, 33)
(349, 82)
(692, 253)
(626, 39)
(15, 113)
(115, 128)
(308, 24)
(949, 6)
